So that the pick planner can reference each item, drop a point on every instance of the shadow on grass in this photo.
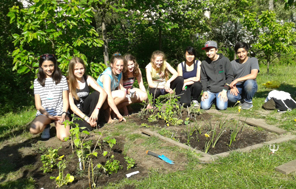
(7, 132)
(11, 160)
(284, 87)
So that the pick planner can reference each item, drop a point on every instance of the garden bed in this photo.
(81, 180)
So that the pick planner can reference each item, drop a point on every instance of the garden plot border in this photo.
(207, 158)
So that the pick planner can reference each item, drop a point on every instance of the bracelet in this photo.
(86, 119)
(64, 113)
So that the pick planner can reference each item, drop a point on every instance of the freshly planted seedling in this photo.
(49, 160)
(130, 162)
(60, 179)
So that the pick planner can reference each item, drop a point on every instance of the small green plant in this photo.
(111, 166)
(214, 142)
(208, 143)
(49, 160)
(234, 131)
(60, 179)
(130, 162)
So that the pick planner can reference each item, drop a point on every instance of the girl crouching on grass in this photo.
(111, 81)
(51, 99)
(83, 104)
(131, 72)
(157, 73)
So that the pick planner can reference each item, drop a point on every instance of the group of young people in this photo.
(216, 76)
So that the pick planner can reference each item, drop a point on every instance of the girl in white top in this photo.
(51, 99)
(157, 73)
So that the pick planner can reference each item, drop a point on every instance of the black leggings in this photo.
(88, 107)
(177, 84)
(193, 91)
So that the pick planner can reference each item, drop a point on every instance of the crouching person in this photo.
(216, 74)
(245, 69)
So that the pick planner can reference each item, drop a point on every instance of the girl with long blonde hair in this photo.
(83, 104)
(157, 73)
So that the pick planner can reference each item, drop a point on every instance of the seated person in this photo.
(190, 71)
(131, 72)
(157, 73)
(83, 104)
(245, 70)
(111, 81)
(216, 74)
(51, 99)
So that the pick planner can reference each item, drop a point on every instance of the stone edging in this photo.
(209, 158)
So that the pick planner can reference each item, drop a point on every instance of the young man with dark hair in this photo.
(216, 74)
(245, 69)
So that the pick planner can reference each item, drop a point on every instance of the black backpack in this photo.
(283, 100)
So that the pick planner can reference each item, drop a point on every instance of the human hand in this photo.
(95, 114)
(204, 96)
(183, 88)
(223, 95)
(54, 118)
(234, 91)
(233, 83)
(167, 86)
(92, 122)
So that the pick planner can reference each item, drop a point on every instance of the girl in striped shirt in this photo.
(51, 99)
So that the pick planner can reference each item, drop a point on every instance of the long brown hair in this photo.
(71, 77)
(163, 66)
(129, 57)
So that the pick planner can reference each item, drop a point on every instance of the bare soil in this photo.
(195, 138)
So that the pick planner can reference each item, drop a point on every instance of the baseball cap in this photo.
(210, 44)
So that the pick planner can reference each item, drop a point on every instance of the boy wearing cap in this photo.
(216, 74)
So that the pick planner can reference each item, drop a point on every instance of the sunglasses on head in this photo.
(44, 56)
(117, 54)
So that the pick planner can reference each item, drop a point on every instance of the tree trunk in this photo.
(268, 61)
(271, 5)
(159, 38)
(104, 34)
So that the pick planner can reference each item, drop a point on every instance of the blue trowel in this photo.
(162, 157)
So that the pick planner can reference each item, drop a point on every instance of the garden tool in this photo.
(162, 157)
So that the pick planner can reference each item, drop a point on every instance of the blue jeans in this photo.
(246, 90)
(207, 103)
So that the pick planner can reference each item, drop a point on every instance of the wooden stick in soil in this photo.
(89, 183)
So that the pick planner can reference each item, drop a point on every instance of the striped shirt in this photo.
(128, 83)
(51, 95)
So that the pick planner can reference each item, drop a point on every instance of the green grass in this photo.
(255, 169)
(14, 124)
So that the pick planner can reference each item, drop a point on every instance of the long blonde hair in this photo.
(163, 66)
(71, 77)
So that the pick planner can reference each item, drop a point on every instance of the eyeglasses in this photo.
(44, 56)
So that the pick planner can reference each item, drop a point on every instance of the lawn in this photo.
(255, 169)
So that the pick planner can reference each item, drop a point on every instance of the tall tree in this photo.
(274, 37)
(52, 26)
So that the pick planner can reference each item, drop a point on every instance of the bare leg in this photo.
(39, 124)
(62, 131)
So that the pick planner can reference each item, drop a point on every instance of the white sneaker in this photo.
(195, 103)
(46, 133)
